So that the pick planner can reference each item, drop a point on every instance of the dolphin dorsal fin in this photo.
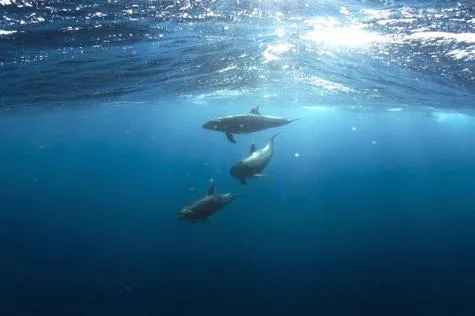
(253, 148)
(255, 110)
(211, 189)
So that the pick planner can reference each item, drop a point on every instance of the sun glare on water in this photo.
(330, 32)
(327, 33)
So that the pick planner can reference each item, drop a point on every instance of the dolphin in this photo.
(255, 163)
(206, 206)
(247, 123)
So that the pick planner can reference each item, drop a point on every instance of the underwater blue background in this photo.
(368, 203)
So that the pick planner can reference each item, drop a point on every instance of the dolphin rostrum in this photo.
(206, 206)
(245, 123)
(255, 163)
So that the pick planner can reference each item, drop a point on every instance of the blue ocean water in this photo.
(368, 203)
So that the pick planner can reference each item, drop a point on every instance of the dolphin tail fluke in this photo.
(235, 195)
(271, 139)
(230, 137)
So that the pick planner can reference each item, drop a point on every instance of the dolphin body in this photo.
(206, 206)
(255, 163)
(245, 123)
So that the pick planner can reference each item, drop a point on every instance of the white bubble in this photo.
(353, 128)
(296, 155)
(373, 142)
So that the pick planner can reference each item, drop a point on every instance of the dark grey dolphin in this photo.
(245, 123)
(255, 163)
(206, 206)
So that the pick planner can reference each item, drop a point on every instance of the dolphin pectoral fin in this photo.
(255, 110)
(230, 137)
(253, 148)
(260, 175)
(243, 181)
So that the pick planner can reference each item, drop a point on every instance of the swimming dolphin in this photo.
(206, 206)
(255, 163)
(245, 123)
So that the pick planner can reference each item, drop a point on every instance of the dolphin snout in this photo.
(183, 213)
(211, 125)
(233, 171)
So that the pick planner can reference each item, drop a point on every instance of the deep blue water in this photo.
(368, 206)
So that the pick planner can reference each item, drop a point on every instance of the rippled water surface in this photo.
(350, 52)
